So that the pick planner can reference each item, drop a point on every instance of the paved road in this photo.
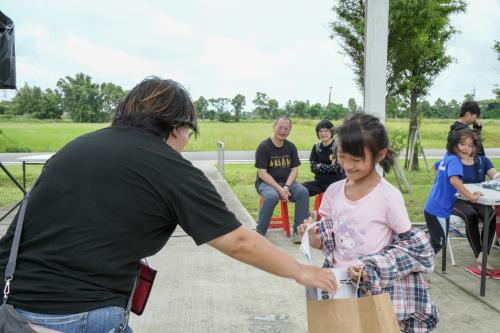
(230, 155)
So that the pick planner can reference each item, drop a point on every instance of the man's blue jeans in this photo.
(300, 196)
(103, 320)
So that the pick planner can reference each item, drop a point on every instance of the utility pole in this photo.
(330, 95)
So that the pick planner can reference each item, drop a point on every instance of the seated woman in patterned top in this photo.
(324, 162)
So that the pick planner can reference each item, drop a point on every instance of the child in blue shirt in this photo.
(448, 181)
(476, 168)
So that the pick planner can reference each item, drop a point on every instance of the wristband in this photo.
(286, 185)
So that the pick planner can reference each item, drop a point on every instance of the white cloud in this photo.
(238, 59)
(36, 31)
(224, 47)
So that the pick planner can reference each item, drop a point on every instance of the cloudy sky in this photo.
(219, 48)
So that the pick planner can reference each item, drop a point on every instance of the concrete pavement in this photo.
(199, 289)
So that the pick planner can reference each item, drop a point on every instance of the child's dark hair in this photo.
(360, 130)
(325, 123)
(470, 106)
(458, 136)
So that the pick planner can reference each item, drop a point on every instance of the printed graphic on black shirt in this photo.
(280, 162)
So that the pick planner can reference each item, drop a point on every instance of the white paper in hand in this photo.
(344, 290)
(304, 245)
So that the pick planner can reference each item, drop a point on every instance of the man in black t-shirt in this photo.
(277, 162)
(114, 196)
(469, 115)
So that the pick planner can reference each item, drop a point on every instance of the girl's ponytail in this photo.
(388, 162)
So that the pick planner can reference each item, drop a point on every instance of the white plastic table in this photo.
(490, 198)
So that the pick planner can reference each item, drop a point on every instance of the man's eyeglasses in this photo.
(284, 129)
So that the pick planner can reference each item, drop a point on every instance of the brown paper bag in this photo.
(370, 314)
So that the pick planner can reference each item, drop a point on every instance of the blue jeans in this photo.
(103, 320)
(300, 196)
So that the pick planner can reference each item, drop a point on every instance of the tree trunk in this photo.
(411, 162)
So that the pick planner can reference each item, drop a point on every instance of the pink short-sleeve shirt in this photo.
(365, 226)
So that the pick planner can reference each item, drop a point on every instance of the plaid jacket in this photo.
(397, 270)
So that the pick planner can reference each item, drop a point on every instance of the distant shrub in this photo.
(17, 149)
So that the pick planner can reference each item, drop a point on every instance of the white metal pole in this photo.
(376, 33)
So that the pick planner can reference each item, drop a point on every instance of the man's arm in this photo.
(253, 249)
(292, 176)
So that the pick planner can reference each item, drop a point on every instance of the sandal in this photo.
(494, 274)
(476, 272)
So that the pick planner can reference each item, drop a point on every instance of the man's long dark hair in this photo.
(158, 106)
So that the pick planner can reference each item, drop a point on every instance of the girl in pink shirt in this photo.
(365, 224)
(363, 211)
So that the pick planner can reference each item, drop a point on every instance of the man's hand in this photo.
(284, 193)
(312, 276)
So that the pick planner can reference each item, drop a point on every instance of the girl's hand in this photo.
(302, 228)
(356, 272)
(475, 196)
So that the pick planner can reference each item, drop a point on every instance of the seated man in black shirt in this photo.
(469, 115)
(324, 161)
(114, 196)
(277, 162)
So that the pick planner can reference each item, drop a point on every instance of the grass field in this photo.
(40, 136)
(241, 178)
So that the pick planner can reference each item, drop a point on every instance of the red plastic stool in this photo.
(317, 203)
(283, 219)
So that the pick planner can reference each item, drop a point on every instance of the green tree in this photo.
(261, 102)
(201, 107)
(424, 107)
(288, 108)
(335, 111)
(351, 105)
(28, 101)
(393, 107)
(111, 95)
(469, 97)
(51, 106)
(238, 102)
(316, 110)
(34, 102)
(5, 107)
(454, 107)
(496, 47)
(300, 109)
(81, 98)
(220, 106)
(274, 108)
(418, 32)
(441, 109)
